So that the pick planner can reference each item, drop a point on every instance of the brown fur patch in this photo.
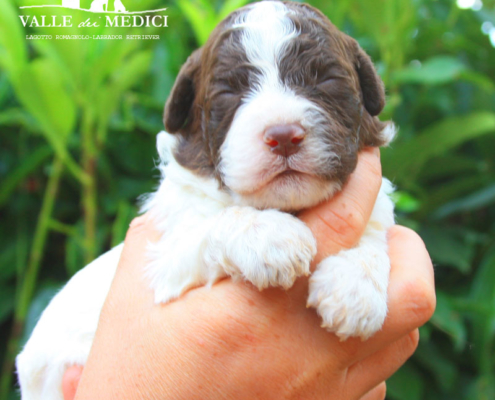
(321, 64)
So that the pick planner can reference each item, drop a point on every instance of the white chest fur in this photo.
(208, 236)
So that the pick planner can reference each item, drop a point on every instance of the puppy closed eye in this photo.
(223, 99)
(327, 79)
(223, 91)
(225, 94)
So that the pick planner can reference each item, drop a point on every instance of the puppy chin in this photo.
(289, 193)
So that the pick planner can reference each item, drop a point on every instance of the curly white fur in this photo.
(207, 236)
(209, 233)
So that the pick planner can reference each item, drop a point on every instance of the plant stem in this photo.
(29, 278)
(89, 199)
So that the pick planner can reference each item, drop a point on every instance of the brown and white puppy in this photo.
(268, 69)
(264, 120)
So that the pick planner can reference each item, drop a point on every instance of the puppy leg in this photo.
(349, 290)
(266, 248)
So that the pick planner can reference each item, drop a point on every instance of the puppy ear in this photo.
(371, 84)
(179, 104)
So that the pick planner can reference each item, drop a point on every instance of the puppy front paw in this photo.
(267, 248)
(349, 292)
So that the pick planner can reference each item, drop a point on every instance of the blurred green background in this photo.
(78, 120)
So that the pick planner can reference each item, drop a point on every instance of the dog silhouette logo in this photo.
(97, 6)
(102, 6)
(71, 3)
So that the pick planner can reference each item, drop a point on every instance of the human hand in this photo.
(232, 341)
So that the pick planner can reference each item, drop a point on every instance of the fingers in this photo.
(381, 365)
(70, 381)
(130, 272)
(377, 393)
(340, 222)
(411, 294)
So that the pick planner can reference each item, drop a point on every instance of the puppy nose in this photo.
(284, 140)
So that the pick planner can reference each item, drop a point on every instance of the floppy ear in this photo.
(179, 104)
(371, 84)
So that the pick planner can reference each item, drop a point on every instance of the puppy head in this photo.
(276, 105)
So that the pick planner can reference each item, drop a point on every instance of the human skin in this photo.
(232, 341)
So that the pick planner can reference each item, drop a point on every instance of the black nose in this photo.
(284, 140)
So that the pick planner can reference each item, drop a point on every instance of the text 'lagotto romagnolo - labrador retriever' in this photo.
(266, 119)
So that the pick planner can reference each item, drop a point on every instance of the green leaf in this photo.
(19, 117)
(229, 6)
(75, 250)
(405, 202)
(475, 201)
(454, 188)
(448, 247)
(478, 79)
(201, 18)
(15, 394)
(483, 388)
(425, 332)
(483, 291)
(8, 260)
(405, 384)
(389, 24)
(13, 54)
(407, 159)
(57, 102)
(4, 90)
(123, 79)
(469, 307)
(40, 90)
(132, 70)
(66, 54)
(103, 63)
(435, 71)
(337, 11)
(449, 320)
(435, 362)
(451, 166)
(29, 164)
(7, 296)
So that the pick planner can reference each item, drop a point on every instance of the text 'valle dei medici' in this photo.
(118, 21)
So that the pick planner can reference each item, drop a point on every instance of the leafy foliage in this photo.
(78, 120)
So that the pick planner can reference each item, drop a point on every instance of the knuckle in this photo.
(402, 233)
(412, 342)
(421, 299)
(372, 161)
(138, 221)
(418, 293)
(142, 227)
(346, 225)
(136, 227)
(356, 221)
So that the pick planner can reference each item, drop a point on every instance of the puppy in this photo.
(266, 119)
